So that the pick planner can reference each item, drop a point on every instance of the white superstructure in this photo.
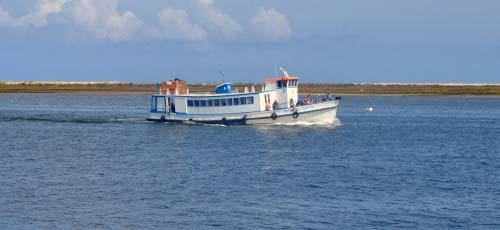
(277, 102)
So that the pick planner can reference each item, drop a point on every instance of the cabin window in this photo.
(279, 84)
(212, 102)
(153, 104)
(284, 84)
(243, 100)
(160, 104)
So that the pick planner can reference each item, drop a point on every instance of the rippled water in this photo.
(91, 161)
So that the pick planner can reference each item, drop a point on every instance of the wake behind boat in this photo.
(277, 102)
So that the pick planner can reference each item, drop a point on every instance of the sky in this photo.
(323, 41)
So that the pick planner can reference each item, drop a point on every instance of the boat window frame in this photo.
(215, 102)
(154, 103)
(279, 84)
(243, 100)
(158, 100)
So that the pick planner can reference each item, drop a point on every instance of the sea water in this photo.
(82, 161)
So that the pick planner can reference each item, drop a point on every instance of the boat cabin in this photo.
(174, 97)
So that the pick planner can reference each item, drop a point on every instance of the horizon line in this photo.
(94, 82)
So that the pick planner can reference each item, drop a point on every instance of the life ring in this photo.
(295, 114)
(274, 116)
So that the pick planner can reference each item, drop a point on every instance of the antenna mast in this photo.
(222, 76)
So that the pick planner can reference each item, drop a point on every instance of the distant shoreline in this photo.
(358, 89)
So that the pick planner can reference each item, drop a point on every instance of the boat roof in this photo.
(282, 78)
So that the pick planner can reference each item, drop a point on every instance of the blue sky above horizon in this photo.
(321, 41)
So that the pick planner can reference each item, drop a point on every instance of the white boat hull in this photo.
(324, 112)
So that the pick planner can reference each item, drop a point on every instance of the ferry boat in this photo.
(277, 103)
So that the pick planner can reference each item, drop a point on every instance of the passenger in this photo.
(172, 108)
(275, 105)
(309, 99)
(292, 104)
(328, 98)
(304, 101)
(268, 106)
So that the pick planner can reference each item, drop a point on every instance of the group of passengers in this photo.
(275, 105)
(309, 100)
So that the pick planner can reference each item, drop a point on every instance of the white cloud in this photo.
(103, 19)
(85, 13)
(272, 25)
(174, 24)
(5, 18)
(214, 18)
(37, 18)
